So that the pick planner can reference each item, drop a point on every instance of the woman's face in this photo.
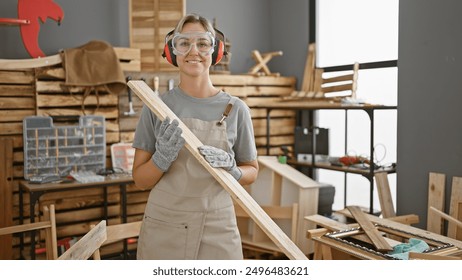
(194, 62)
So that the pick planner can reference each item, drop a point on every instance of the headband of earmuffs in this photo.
(219, 49)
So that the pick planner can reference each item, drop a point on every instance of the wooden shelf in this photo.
(328, 166)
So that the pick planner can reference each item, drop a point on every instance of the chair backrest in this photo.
(318, 84)
(87, 245)
(339, 85)
(119, 232)
(47, 223)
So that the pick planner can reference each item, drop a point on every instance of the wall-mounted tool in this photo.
(131, 111)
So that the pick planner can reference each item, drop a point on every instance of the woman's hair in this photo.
(195, 18)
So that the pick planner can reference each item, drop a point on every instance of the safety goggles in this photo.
(182, 43)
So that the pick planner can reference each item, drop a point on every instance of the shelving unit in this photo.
(312, 106)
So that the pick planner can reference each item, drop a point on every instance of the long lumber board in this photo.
(369, 228)
(237, 192)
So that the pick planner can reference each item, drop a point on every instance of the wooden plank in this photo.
(11, 128)
(371, 231)
(310, 64)
(87, 245)
(106, 112)
(122, 231)
(17, 102)
(275, 140)
(261, 113)
(455, 208)
(17, 90)
(436, 190)
(239, 80)
(10, 64)
(283, 126)
(288, 172)
(383, 189)
(237, 192)
(15, 115)
(67, 100)
(13, 64)
(425, 256)
(6, 195)
(447, 217)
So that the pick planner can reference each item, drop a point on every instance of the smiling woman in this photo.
(188, 214)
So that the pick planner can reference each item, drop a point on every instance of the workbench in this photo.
(349, 242)
(37, 190)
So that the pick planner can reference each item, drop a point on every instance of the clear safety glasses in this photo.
(182, 43)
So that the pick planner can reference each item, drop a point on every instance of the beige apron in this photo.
(193, 219)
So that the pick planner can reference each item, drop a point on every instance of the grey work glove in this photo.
(168, 145)
(220, 158)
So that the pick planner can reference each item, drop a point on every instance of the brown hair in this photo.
(195, 18)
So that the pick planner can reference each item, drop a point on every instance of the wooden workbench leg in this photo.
(326, 252)
(317, 251)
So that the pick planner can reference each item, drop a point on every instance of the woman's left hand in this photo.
(220, 158)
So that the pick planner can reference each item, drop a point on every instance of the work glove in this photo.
(219, 158)
(168, 145)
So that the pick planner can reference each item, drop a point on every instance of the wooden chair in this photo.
(47, 223)
(88, 244)
(317, 84)
(117, 233)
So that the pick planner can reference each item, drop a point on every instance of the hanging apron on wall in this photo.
(189, 215)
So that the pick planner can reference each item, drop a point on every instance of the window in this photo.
(366, 32)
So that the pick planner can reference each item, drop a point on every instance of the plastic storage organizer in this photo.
(57, 150)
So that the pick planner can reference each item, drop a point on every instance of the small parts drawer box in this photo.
(57, 150)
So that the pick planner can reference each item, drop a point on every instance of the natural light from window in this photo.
(360, 31)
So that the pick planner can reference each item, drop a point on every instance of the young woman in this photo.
(188, 214)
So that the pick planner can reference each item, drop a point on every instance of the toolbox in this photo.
(57, 150)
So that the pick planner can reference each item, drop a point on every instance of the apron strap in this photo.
(228, 109)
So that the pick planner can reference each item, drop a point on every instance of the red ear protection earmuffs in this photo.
(218, 50)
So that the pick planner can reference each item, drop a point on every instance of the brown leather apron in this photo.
(189, 215)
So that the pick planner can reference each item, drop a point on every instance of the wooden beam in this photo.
(455, 208)
(87, 245)
(436, 190)
(445, 216)
(383, 189)
(371, 231)
(237, 192)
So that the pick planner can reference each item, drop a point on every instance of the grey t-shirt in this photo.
(238, 124)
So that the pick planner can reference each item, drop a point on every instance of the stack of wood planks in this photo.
(150, 21)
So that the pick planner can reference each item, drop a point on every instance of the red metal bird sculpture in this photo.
(33, 10)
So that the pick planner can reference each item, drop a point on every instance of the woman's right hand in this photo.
(168, 145)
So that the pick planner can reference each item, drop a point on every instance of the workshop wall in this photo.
(429, 100)
(264, 25)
